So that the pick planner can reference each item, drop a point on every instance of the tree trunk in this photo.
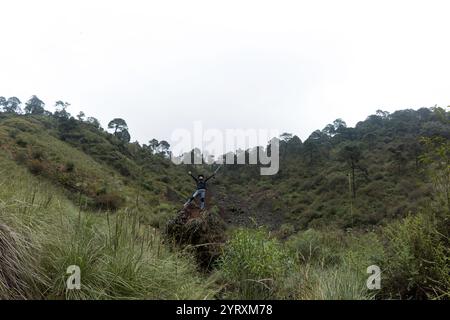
(353, 181)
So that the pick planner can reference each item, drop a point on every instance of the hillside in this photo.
(313, 188)
(74, 194)
(93, 167)
(315, 182)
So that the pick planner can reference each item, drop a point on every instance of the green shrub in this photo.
(418, 258)
(13, 133)
(160, 216)
(122, 168)
(285, 230)
(336, 181)
(21, 157)
(109, 201)
(21, 143)
(35, 166)
(164, 179)
(70, 166)
(37, 154)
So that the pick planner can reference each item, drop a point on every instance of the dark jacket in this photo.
(201, 184)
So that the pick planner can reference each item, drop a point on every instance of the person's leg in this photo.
(192, 198)
(202, 199)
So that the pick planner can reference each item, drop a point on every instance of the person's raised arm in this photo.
(195, 179)
(210, 177)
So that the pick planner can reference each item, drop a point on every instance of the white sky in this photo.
(288, 65)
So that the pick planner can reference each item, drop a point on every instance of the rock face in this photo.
(203, 231)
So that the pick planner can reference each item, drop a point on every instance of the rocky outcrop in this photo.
(201, 231)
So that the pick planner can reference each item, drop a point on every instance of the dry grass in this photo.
(18, 267)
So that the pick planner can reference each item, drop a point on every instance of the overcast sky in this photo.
(288, 65)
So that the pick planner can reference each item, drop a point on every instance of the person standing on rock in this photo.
(201, 189)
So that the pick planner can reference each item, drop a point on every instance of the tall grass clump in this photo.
(122, 259)
(314, 282)
(253, 264)
(313, 246)
(331, 265)
(19, 274)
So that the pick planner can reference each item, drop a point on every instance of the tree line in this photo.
(118, 126)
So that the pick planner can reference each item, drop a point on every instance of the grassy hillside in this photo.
(345, 199)
(119, 256)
